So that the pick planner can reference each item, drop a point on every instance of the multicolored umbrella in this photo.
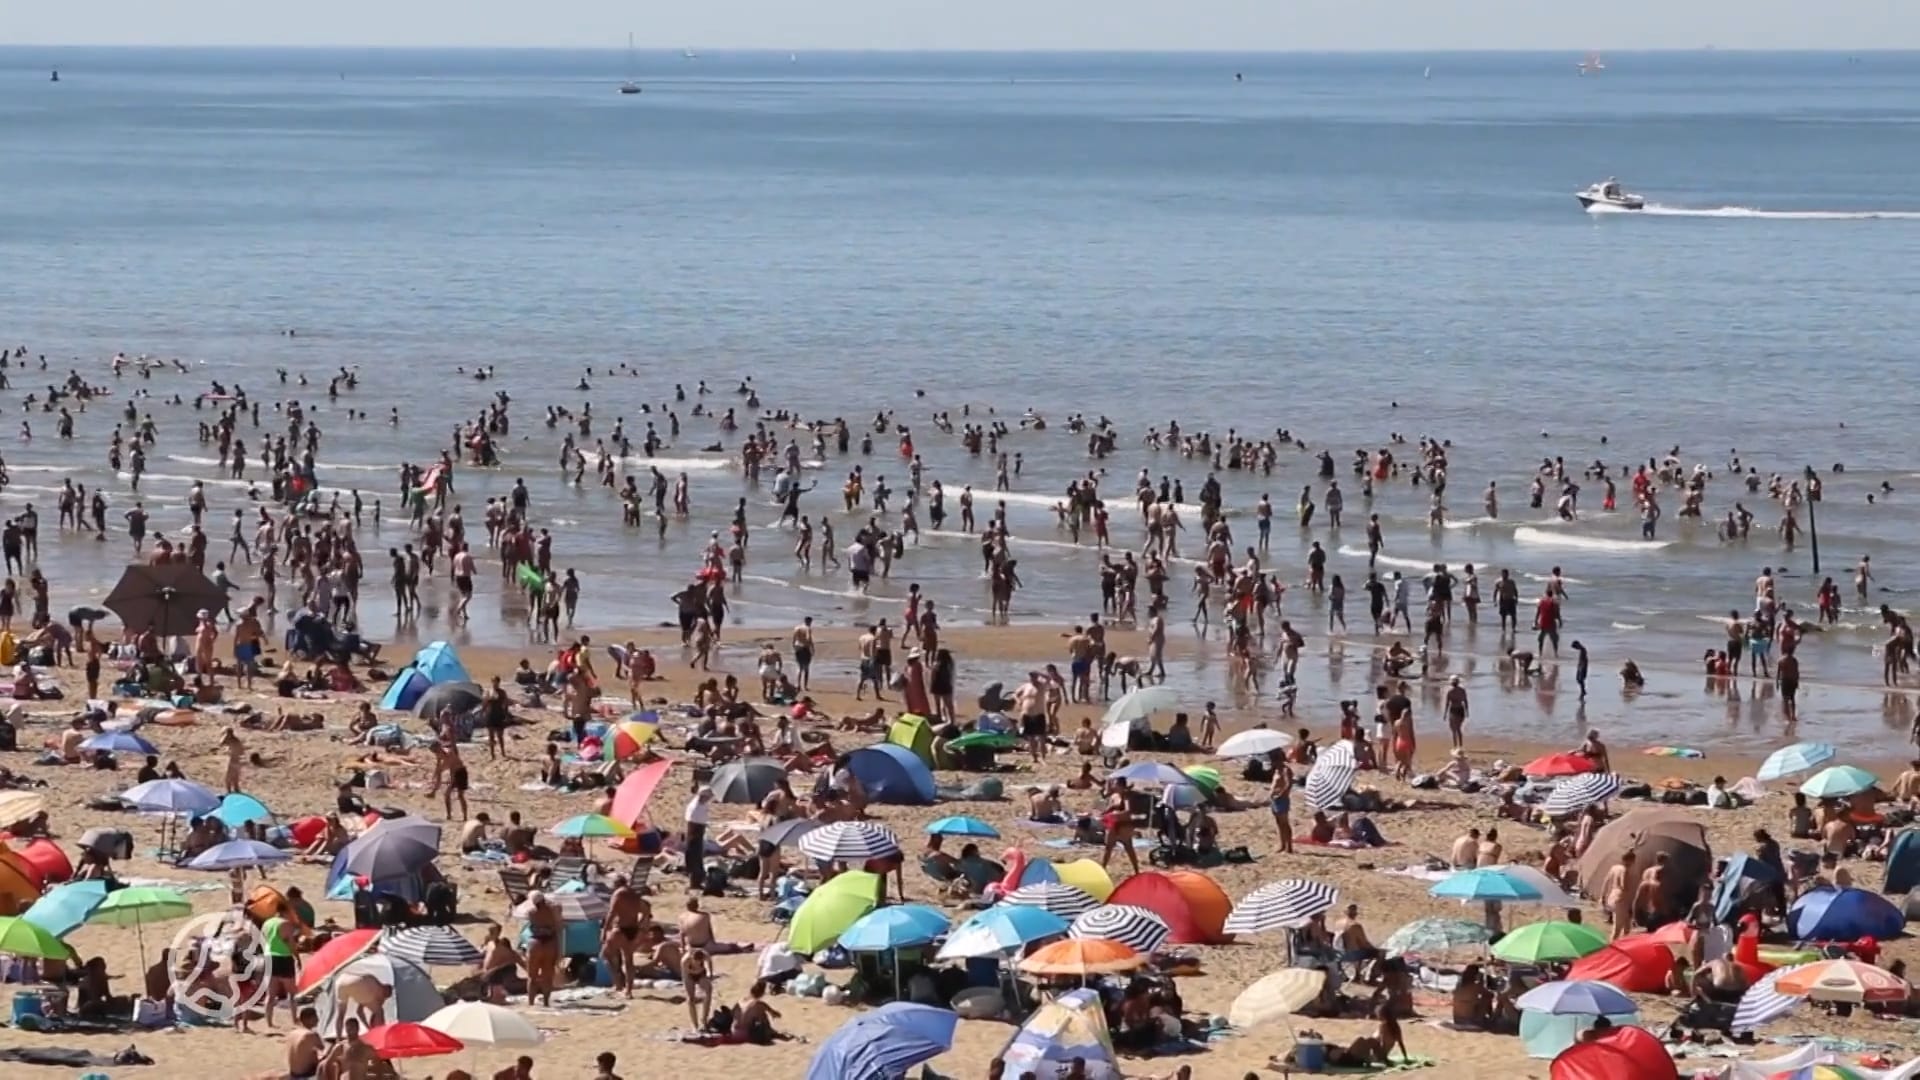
(1082, 957)
(1548, 942)
(1843, 980)
(585, 826)
(1819, 1072)
(1437, 937)
(628, 737)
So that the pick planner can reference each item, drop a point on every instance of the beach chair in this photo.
(514, 882)
(570, 868)
(640, 878)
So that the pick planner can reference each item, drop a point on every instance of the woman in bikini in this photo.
(1117, 821)
(543, 950)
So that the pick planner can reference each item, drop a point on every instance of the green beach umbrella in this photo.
(1838, 782)
(831, 908)
(1205, 777)
(18, 937)
(1547, 942)
(1437, 937)
(138, 907)
(992, 740)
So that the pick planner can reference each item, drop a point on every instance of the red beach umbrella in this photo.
(1568, 764)
(409, 1041)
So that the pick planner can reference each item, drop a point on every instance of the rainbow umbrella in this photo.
(1205, 777)
(582, 826)
(1819, 1072)
(628, 737)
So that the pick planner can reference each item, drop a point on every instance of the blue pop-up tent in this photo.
(1903, 863)
(891, 773)
(433, 665)
(1844, 915)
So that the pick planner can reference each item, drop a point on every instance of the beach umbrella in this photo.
(1436, 937)
(1843, 980)
(20, 806)
(961, 825)
(1577, 793)
(787, 833)
(1563, 764)
(1822, 1071)
(1281, 905)
(885, 1043)
(238, 855)
(1838, 782)
(828, 910)
(65, 907)
(849, 842)
(748, 780)
(1205, 777)
(421, 829)
(1001, 929)
(236, 810)
(1470, 885)
(19, 937)
(407, 1040)
(431, 946)
(631, 797)
(628, 737)
(585, 826)
(139, 906)
(334, 955)
(1130, 925)
(1150, 772)
(1276, 997)
(1763, 1003)
(461, 697)
(1331, 776)
(383, 853)
(476, 1023)
(1254, 742)
(1182, 796)
(171, 797)
(119, 742)
(899, 926)
(1062, 900)
(1548, 942)
(579, 905)
(165, 598)
(1082, 957)
(987, 740)
(1795, 759)
(1577, 999)
(1136, 706)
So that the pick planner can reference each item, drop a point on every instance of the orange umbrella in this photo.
(1082, 957)
(333, 956)
(630, 799)
(1842, 980)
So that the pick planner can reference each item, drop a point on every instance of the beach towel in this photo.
(1407, 1065)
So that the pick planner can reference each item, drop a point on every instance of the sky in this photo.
(1152, 25)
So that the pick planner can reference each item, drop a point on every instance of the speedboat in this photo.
(1607, 193)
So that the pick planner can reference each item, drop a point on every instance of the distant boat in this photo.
(1427, 74)
(689, 54)
(56, 76)
(1592, 65)
(793, 58)
(629, 87)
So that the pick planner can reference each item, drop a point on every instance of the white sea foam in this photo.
(1658, 210)
(1576, 542)
(1353, 552)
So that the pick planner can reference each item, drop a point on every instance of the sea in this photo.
(1352, 248)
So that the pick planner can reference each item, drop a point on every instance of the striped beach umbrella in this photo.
(431, 946)
(1127, 924)
(849, 842)
(583, 906)
(1763, 1003)
(1577, 793)
(1331, 776)
(1797, 758)
(1062, 900)
(1282, 905)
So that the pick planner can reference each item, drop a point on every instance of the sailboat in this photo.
(629, 87)
(1592, 65)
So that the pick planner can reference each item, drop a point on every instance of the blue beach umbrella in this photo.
(1838, 782)
(237, 809)
(885, 1043)
(1795, 759)
(66, 907)
(901, 926)
(1483, 885)
(961, 825)
(238, 855)
(1001, 928)
(119, 742)
(1577, 998)
(171, 797)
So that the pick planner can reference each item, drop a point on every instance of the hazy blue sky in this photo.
(1253, 25)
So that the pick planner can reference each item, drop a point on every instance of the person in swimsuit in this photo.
(457, 780)
(1117, 821)
(1280, 801)
(627, 913)
(696, 978)
(498, 961)
(543, 951)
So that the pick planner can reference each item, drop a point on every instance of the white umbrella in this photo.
(583, 906)
(849, 842)
(477, 1023)
(1331, 776)
(1062, 900)
(1254, 742)
(1283, 905)
(1132, 707)
(1576, 793)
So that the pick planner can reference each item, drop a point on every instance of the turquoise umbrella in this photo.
(961, 825)
(65, 907)
(1484, 885)
(1796, 758)
(901, 926)
(1838, 782)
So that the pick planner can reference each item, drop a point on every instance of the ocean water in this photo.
(1337, 246)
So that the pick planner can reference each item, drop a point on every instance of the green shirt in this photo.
(277, 944)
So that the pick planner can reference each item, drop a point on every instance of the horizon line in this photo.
(1035, 51)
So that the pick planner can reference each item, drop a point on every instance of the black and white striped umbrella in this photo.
(1331, 776)
(1762, 1003)
(1576, 793)
(1283, 905)
(587, 905)
(1135, 927)
(431, 946)
(1062, 900)
(849, 842)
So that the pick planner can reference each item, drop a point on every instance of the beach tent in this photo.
(1071, 1027)
(1036, 872)
(19, 883)
(892, 774)
(410, 995)
(915, 734)
(1625, 1051)
(1088, 876)
(1546, 1034)
(1843, 915)
(1903, 863)
(440, 664)
(47, 864)
(1193, 907)
(1638, 964)
(1648, 834)
(405, 690)
(1745, 880)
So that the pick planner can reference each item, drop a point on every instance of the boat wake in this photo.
(1658, 210)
